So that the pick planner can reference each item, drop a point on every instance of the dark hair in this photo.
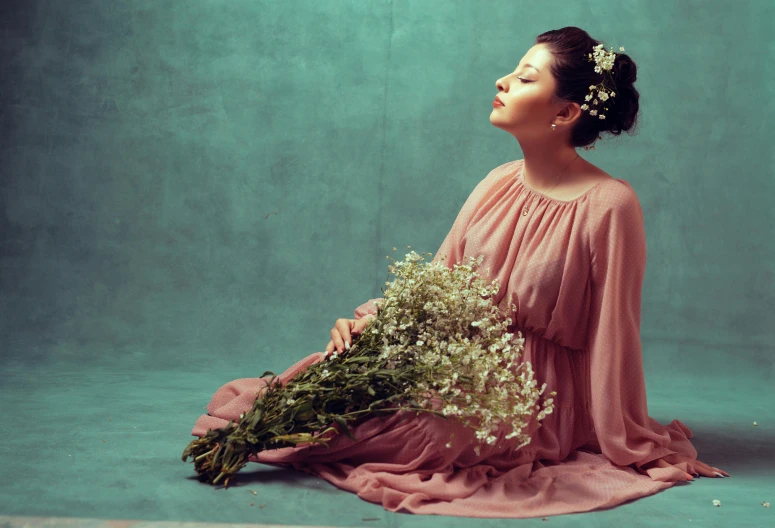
(574, 72)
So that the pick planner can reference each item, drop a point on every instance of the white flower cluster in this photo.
(442, 322)
(604, 62)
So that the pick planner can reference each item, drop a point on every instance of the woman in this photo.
(567, 244)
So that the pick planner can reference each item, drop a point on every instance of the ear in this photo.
(569, 113)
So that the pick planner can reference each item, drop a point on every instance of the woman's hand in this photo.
(693, 466)
(342, 332)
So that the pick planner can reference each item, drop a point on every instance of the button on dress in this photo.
(574, 269)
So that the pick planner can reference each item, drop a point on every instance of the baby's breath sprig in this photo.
(438, 345)
(604, 63)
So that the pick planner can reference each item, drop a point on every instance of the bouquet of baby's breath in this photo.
(436, 335)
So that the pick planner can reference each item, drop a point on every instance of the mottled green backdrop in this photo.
(194, 191)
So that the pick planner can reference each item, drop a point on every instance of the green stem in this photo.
(205, 454)
(397, 409)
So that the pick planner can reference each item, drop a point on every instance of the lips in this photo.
(498, 101)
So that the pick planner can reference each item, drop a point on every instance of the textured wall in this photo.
(216, 182)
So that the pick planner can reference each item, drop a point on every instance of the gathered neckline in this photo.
(521, 179)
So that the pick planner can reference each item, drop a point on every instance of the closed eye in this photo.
(524, 81)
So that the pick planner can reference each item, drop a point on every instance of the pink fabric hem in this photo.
(403, 464)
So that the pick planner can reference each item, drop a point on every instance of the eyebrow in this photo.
(531, 66)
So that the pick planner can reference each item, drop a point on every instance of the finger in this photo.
(698, 469)
(344, 326)
(360, 325)
(340, 342)
(336, 337)
(714, 472)
(330, 347)
(705, 470)
(663, 464)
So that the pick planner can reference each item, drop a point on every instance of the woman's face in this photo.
(528, 96)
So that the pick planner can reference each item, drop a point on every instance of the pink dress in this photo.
(574, 269)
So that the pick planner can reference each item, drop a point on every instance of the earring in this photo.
(554, 127)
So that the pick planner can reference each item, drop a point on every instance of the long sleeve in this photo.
(367, 309)
(624, 430)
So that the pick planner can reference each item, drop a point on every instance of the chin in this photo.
(500, 123)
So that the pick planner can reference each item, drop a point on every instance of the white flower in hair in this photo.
(604, 63)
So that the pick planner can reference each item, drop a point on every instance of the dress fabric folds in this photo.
(574, 269)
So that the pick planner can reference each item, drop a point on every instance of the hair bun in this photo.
(625, 72)
(574, 71)
(625, 108)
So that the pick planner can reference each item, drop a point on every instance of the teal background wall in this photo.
(194, 191)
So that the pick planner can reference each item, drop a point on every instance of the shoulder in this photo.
(498, 174)
(615, 195)
(504, 170)
(614, 210)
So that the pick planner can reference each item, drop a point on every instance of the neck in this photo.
(543, 166)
